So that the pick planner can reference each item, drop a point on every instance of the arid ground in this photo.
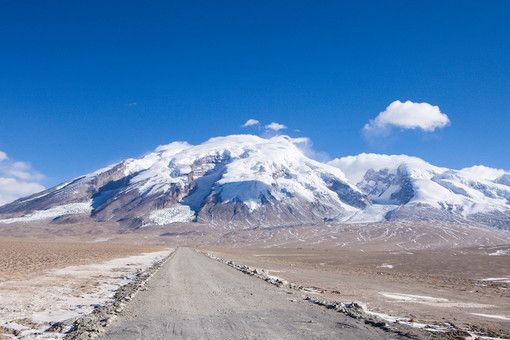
(467, 287)
(26, 258)
(43, 281)
(54, 278)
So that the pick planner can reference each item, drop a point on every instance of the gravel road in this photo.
(194, 297)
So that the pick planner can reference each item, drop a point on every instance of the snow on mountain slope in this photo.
(478, 193)
(176, 213)
(252, 181)
(61, 210)
(233, 179)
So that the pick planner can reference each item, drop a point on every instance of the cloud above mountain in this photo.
(305, 144)
(251, 122)
(407, 115)
(269, 129)
(276, 126)
(17, 179)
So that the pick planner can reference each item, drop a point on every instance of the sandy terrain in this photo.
(467, 287)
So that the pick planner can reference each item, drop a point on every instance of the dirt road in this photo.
(194, 297)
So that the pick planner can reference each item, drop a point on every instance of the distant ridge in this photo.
(246, 180)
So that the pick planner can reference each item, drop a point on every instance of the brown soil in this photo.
(348, 275)
(22, 258)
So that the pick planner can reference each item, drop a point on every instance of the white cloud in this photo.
(408, 115)
(305, 144)
(251, 122)
(482, 172)
(17, 179)
(355, 167)
(275, 126)
(12, 189)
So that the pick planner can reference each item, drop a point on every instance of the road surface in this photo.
(194, 297)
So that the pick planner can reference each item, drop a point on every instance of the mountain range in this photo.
(246, 180)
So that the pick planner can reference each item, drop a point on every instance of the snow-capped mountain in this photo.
(419, 190)
(234, 179)
(248, 180)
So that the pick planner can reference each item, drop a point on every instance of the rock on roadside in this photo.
(95, 323)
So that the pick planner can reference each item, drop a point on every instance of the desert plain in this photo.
(47, 279)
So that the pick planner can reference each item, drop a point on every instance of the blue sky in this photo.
(87, 83)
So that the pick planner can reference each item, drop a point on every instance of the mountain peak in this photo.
(238, 178)
(247, 179)
(421, 190)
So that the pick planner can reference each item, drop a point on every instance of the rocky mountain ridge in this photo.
(245, 180)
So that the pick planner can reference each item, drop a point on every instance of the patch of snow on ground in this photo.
(412, 298)
(176, 213)
(61, 210)
(66, 293)
(498, 279)
(404, 321)
(493, 316)
(99, 240)
(500, 252)
(384, 265)
(431, 301)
